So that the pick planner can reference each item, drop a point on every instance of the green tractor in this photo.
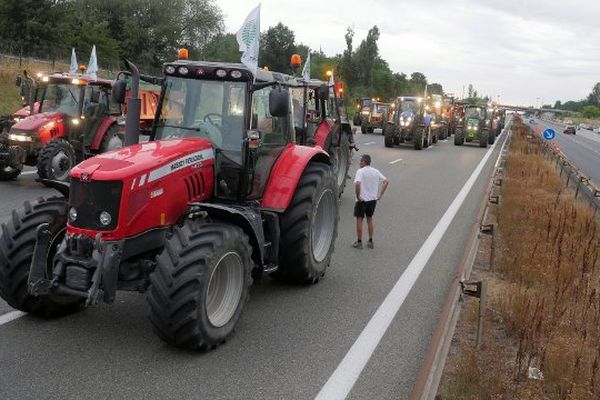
(474, 126)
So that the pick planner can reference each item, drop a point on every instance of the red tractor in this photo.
(221, 195)
(71, 118)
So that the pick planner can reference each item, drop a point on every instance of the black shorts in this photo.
(362, 208)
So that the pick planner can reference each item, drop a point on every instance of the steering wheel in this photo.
(208, 118)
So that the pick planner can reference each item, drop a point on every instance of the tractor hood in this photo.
(36, 121)
(147, 161)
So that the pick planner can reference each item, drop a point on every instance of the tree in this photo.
(366, 56)
(277, 45)
(558, 105)
(224, 47)
(435, 88)
(591, 112)
(594, 96)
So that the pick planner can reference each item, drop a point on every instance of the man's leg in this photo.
(370, 228)
(359, 224)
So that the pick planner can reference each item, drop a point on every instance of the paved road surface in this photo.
(583, 149)
(290, 339)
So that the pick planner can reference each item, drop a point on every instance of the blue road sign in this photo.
(549, 134)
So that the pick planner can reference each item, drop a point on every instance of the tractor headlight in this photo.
(170, 69)
(105, 218)
(73, 214)
(20, 138)
(183, 70)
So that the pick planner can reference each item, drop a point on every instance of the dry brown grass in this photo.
(544, 298)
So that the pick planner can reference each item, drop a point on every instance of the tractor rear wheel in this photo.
(418, 138)
(309, 227)
(388, 135)
(200, 285)
(17, 244)
(56, 160)
(340, 157)
(112, 140)
(483, 138)
(459, 137)
(491, 137)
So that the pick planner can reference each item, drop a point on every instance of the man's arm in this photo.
(383, 188)
(357, 190)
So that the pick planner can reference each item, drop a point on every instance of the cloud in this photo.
(521, 50)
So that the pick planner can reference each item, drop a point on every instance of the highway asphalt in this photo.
(583, 148)
(290, 340)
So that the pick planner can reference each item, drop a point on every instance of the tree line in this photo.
(150, 32)
(589, 107)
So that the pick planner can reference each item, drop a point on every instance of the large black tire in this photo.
(6, 173)
(459, 137)
(363, 127)
(418, 138)
(388, 135)
(309, 227)
(185, 309)
(483, 138)
(491, 137)
(340, 157)
(56, 160)
(356, 120)
(112, 140)
(434, 136)
(16, 250)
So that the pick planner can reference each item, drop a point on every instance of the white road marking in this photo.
(348, 371)
(10, 316)
(395, 161)
(28, 172)
(368, 143)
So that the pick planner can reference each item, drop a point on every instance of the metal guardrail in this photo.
(573, 177)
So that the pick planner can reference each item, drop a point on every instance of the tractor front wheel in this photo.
(419, 138)
(340, 157)
(459, 137)
(112, 140)
(17, 244)
(388, 135)
(483, 138)
(56, 160)
(200, 285)
(363, 127)
(309, 227)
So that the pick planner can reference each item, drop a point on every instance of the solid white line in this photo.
(28, 172)
(368, 143)
(10, 316)
(348, 371)
(395, 161)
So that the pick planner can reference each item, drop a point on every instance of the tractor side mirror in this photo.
(18, 81)
(118, 91)
(279, 102)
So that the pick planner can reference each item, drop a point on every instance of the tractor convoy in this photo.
(240, 179)
(70, 117)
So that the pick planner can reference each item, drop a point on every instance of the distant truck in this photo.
(374, 117)
(408, 121)
(70, 118)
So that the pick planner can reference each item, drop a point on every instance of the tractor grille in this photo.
(195, 186)
(91, 198)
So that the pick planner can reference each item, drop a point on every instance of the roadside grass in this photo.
(544, 295)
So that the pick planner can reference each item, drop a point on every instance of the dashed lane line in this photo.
(395, 161)
(28, 172)
(369, 143)
(340, 383)
(10, 316)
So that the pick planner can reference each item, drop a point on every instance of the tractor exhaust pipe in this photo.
(134, 106)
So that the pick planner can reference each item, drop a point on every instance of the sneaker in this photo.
(370, 244)
(357, 245)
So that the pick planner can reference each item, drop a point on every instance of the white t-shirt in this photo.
(370, 179)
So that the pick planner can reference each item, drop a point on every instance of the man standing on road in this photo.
(369, 185)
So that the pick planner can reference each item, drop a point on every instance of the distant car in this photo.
(597, 129)
(585, 126)
(570, 130)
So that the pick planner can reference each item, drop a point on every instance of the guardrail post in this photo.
(476, 289)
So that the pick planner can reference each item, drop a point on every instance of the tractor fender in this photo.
(247, 218)
(62, 187)
(286, 174)
(324, 130)
(104, 126)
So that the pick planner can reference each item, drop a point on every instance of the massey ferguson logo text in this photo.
(187, 161)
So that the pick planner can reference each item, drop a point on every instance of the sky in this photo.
(524, 52)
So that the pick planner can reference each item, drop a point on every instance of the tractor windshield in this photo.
(61, 97)
(207, 109)
(474, 112)
(408, 105)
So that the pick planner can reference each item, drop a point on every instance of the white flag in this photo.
(331, 81)
(73, 67)
(248, 37)
(92, 69)
(306, 69)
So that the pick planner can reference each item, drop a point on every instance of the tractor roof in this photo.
(210, 69)
(66, 77)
